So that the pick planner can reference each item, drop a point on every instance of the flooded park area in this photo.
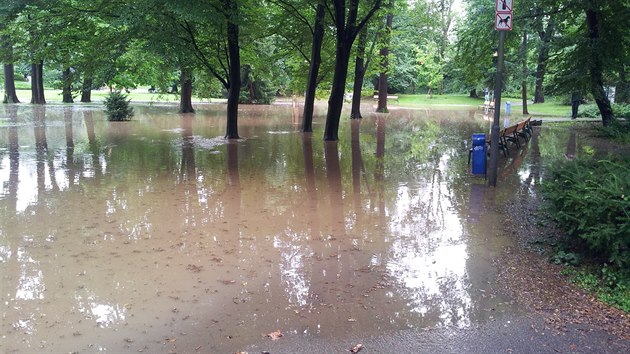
(158, 235)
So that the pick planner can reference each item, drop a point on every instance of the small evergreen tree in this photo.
(117, 107)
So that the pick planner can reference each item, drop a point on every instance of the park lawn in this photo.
(438, 100)
(549, 109)
(99, 96)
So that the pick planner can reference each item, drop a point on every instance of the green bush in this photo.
(117, 107)
(610, 285)
(592, 111)
(590, 200)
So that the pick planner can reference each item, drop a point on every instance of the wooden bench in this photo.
(512, 134)
(389, 97)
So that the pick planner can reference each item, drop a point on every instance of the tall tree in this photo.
(347, 25)
(10, 94)
(360, 65)
(384, 59)
(594, 23)
(313, 70)
(185, 104)
(545, 27)
(8, 12)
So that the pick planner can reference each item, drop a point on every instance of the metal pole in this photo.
(494, 137)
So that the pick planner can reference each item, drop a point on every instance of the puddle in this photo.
(155, 235)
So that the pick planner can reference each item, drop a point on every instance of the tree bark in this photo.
(622, 95)
(86, 90)
(335, 101)
(313, 70)
(37, 83)
(234, 69)
(10, 94)
(382, 80)
(185, 102)
(596, 65)
(543, 56)
(359, 74)
(473, 94)
(346, 34)
(524, 82)
(67, 86)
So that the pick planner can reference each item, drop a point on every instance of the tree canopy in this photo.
(250, 51)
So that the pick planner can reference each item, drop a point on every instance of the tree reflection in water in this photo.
(148, 229)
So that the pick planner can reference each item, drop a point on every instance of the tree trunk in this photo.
(67, 86)
(595, 65)
(67, 118)
(359, 74)
(86, 90)
(313, 71)
(473, 94)
(347, 31)
(382, 80)
(185, 102)
(10, 95)
(335, 101)
(622, 95)
(524, 82)
(543, 56)
(234, 70)
(37, 83)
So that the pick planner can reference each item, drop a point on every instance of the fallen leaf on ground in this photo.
(275, 335)
(357, 348)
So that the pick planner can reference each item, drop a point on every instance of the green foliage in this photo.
(590, 200)
(254, 90)
(610, 285)
(566, 258)
(117, 107)
(592, 111)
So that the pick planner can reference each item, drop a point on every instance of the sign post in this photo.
(502, 23)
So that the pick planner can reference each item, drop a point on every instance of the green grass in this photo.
(139, 95)
(550, 108)
(438, 100)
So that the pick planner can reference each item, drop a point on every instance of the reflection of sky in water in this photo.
(105, 315)
(292, 270)
(429, 254)
(31, 281)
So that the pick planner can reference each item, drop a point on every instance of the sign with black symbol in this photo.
(504, 6)
(503, 22)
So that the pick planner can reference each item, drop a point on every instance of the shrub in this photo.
(592, 111)
(117, 107)
(590, 200)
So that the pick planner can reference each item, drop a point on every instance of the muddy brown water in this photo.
(157, 235)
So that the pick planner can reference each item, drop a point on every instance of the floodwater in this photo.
(157, 235)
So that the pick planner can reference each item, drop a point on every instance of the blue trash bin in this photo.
(478, 154)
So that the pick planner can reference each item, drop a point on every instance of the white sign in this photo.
(503, 22)
(504, 6)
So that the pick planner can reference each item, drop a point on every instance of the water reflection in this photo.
(147, 229)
